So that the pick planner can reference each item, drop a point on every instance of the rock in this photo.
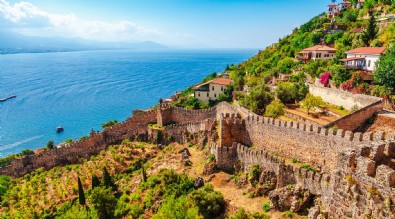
(185, 150)
(185, 155)
(160, 146)
(199, 182)
(281, 199)
(210, 177)
(210, 168)
(314, 212)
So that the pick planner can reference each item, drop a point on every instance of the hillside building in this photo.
(211, 89)
(363, 58)
(334, 9)
(317, 52)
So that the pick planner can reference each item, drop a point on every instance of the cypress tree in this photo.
(107, 180)
(144, 174)
(95, 181)
(81, 195)
(371, 31)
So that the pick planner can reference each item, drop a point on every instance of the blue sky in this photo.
(177, 23)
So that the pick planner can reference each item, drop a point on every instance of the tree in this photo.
(371, 31)
(107, 180)
(311, 102)
(210, 203)
(275, 109)
(26, 152)
(385, 72)
(103, 202)
(258, 98)
(144, 174)
(290, 92)
(95, 181)
(50, 145)
(81, 195)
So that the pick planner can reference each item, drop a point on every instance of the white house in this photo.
(334, 9)
(317, 52)
(363, 58)
(211, 89)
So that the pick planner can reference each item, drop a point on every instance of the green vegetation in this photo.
(50, 145)
(275, 109)
(81, 194)
(109, 123)
(311, 102)
(289, 92)
(257, 99)
(266, 206)
(163, 194)
(385, 73)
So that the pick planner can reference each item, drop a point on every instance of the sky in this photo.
(176, 23)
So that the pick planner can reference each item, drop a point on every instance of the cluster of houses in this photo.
(335, 9)
(363, 58)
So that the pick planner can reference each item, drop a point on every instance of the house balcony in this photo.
(356, 67)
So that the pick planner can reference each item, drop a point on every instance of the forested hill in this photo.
(346, 32)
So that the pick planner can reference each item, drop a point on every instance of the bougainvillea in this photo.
(324, 78)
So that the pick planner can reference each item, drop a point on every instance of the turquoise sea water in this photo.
(81, 90)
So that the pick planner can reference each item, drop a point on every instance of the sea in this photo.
(82, 90)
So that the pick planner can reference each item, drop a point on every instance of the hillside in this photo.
(54, 193)
(345, 33)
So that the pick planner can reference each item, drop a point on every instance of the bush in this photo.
(109, 123)
(103, 202)
(258, 98)
(266, 206)
(312, 102)
(324, 78)
(289, 92)
(241, 213)
(275, 109)
(177, 208)
(210, 203)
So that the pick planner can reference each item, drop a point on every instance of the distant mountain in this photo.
(17, 43)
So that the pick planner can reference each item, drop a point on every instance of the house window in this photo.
(369, 63)
(212, 88)
(222, 88)
(215, 95)
(207, 94)
(199, 94)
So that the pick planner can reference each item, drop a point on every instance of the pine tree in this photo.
(371, 31)
(81, 195)
(95, 181)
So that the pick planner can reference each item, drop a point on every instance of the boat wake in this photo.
(13, 145)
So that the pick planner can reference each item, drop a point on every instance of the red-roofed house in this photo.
(317, 52)
(363, 58)
(211, 89)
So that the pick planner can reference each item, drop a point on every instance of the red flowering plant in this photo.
(324, 78)
(355, 80)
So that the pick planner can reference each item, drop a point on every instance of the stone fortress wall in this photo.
(351, 166)
(363, 183)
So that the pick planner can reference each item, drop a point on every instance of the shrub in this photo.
(210, 203)
(103, 202)
(109, 123)
(275, 109)
(324, 78)
(312, 102)
(266, 206)
(177, 208)
(289, 92)
(241, 213)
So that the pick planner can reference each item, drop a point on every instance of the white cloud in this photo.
(24, 17)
